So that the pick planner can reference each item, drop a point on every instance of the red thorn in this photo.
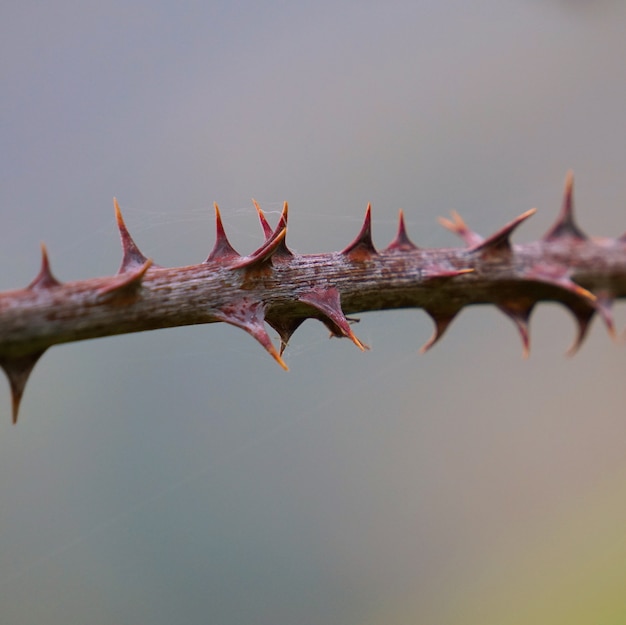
(267, 229)
(459, 227)
(132, 257)
(520, 313)
(438, 274)
(499, 242)
(44, 279)
(604, 304)
(327, 301)
(565, 226)
(264, 254)
(362, 247)
(285, 329)
(18, 370)
(282, 251)
(401, 243)
(442, 319)
(127, 284)
(249, 316)
(583, 317)
(222, 250)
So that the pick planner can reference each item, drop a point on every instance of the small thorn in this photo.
(442, 320)
(267, 229)
(500, 242)
(249, 316)
(131, 257)
(362, 247)
(565, 226)
(282, 251)
(127, 284)
(459, 227)
(520, 313)
(583, 317)
(17, 371)
(328, 302)
(604, 305)
(222, 250)
(285, 329)
(264, 254)
(44, 279)
(434, 273)
(401, 243)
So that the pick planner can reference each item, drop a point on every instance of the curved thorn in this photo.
(401, 243)
(222, 250)
(565, 226)
(249, 316)
(285, 329)
(131, 256)
(264, 254)
(328, 302)
(520, 315)
(500, 240)
(127, 283)
(442, 320)
(44, 279)
(362, 247)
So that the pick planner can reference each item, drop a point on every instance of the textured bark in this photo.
(275, 286)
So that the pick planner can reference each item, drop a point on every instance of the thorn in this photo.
(44, 279)
(500, 241)
(362, 247)
(583, 317)
(442, 320)
(565, 226)
(17, 370)
(131, 256)
(282, 251)
(285, 329)
(459, 227)
(438, 274)
(401, 243)
(327, 301)
(222, 250)
(249, 316)
(127, 284)
(604, 305)
(267, 229)
(520, 313)
(264, 254)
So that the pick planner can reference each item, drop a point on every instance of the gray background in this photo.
(181, 476)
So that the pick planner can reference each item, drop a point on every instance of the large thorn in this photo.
(131, 256)
(17, 371)
(459, 227)
(442, 320)
(401, 243)
(222, 250)
(362, 247)
(328, 302)
(519, 312)
(249, 316)
(565, 226)
(282, 251)
(500, 242)
(583, 316)
(44, 279)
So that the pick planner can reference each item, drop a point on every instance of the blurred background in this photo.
(181, 476)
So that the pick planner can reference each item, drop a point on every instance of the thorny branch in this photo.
(273, 285)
